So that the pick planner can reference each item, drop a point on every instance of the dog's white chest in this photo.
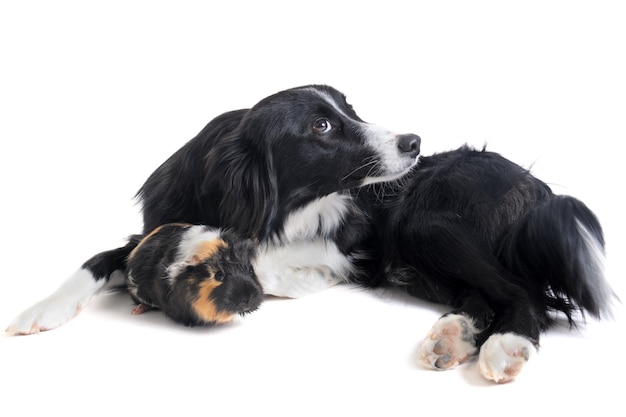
(304, 259)
(319, 218)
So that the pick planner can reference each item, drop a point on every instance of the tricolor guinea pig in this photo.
(197, 275)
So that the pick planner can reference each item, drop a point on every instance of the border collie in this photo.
(472, 230)
(280, 174)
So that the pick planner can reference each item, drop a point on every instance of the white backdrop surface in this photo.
(95, 95)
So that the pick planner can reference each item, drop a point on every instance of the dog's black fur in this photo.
(470, 223)
(472, 230)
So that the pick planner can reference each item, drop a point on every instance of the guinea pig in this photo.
(197, 275)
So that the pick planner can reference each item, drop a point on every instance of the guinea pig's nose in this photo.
(250, 303)
(409, 144)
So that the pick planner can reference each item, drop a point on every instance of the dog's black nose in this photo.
(409, 144)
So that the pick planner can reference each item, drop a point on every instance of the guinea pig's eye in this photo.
(219, 276)
(322, 125)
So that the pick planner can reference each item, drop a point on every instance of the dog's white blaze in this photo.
(330, 100)
(188, 247)
(59, 307)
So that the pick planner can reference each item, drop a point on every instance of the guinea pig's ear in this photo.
(192, 260)
(204, 250)
(177, 267)
(244, 249)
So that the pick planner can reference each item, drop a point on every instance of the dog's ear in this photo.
(239, 168)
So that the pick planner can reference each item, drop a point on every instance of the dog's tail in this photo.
(102, 271)
(559, 246)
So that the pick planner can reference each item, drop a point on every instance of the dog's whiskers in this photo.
(373, 164)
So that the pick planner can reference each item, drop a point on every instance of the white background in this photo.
(95, 95)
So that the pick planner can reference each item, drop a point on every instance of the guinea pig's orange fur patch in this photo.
(154, 232)
(207, 249)
(204, 306)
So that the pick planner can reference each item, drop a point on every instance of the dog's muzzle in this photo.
(409, 144)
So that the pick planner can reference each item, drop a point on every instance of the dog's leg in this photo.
(294, 282)
(457, 336)
(60, 306)
(301, 268)
(102, 271)
(460, 334)
(513, 340)
(450, 266)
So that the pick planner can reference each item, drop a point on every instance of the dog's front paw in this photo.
(61, 306)
(503, 356)
(297, 282)
(449, 343)
(47, 314)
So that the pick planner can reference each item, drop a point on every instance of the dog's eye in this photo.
(322, 125)
(219, 276)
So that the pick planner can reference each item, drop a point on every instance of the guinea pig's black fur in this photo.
(197, 275)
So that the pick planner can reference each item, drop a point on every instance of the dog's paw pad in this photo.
(449, 343)
(503, 356)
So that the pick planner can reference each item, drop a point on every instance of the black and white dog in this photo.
(279, 173)
(466, 228)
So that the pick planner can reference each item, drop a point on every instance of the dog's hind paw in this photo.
(449, 343)
(503, 356)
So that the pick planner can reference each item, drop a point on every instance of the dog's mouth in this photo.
(377, 171)
(389, 175)
(394, 155)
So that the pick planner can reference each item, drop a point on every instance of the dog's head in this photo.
(299, 145)
(317, 140)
